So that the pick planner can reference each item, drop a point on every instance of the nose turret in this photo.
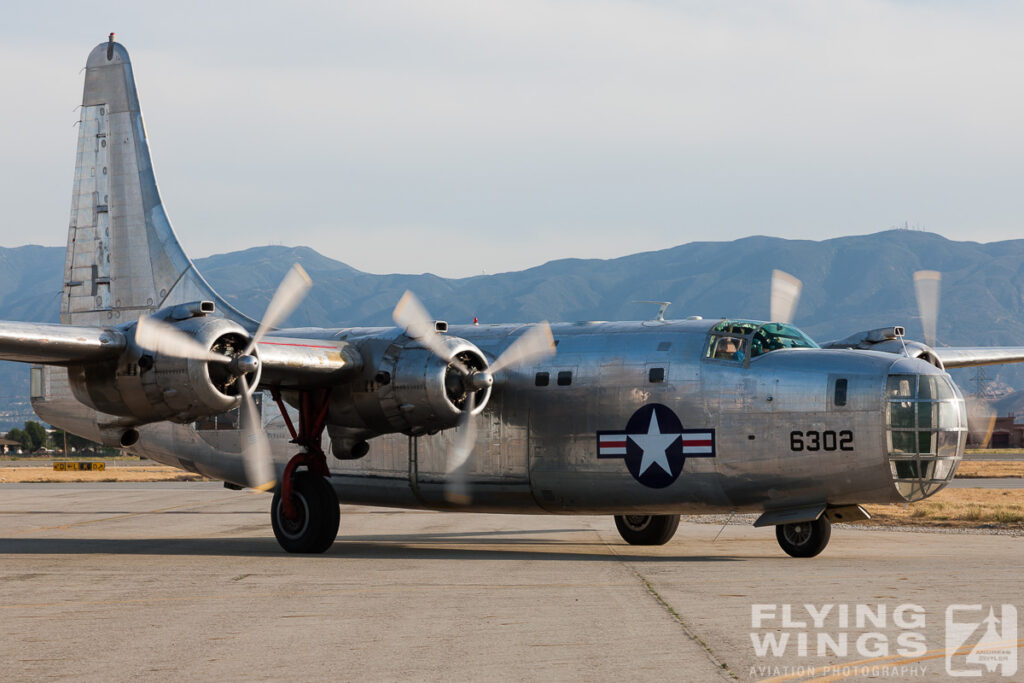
(926, 428)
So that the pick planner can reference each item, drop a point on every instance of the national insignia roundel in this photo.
(655, 445)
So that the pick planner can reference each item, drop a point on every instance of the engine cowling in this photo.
(148, 386)
(413, 391)
(889, 340)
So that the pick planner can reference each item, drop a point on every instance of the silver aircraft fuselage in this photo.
(652, 417)
(788, 428)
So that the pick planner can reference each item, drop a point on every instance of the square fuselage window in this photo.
(565, 378)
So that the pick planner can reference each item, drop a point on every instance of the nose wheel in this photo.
(804, 539)
(647, 529)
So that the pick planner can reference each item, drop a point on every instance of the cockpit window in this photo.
(735, 339)
(775, 336)
(741, 327)
(727, 347)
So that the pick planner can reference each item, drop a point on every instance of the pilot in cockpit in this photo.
(728, 349)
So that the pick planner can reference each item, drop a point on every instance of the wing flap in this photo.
(53, 344)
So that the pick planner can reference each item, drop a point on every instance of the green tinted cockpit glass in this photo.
(765, 337)
(741, 327)
(775, 336)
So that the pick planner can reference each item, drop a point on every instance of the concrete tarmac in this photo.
(185, 580)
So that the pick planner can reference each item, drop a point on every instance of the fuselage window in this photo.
(564, 378)
(542, 379)
(656, 375)
(840, 395)
(36, 388)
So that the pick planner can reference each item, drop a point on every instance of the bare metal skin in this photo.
(627, 418)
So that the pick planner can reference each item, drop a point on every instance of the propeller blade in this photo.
(981, 421)
(784, 297)
(412, 317)
(926, 290)
(259, 466)
(293, 288)
(159, 337)
(456, 489)
(534, 344)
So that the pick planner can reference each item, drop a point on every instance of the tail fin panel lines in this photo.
(123, 258)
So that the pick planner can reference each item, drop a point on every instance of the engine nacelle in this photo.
(148, 386)
(889, 340)
(412, 391)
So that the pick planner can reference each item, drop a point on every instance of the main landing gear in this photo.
(305, 513)
(804, 539)
(647, 529)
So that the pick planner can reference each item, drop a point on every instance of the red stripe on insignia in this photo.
(613, 444)
(691, 443)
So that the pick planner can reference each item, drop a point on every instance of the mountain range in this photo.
(850, 284)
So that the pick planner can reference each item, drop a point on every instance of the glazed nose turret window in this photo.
(927, 432)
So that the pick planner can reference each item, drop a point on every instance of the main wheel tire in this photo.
(804, 539)
(316, 524)
(647, 529)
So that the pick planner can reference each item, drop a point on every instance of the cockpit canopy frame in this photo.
(740, 341)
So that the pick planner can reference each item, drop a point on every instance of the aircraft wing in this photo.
(962, 357)
(55, 344)
(286, 361)
(289, 361)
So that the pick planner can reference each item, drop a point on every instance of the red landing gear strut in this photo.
(313, 407)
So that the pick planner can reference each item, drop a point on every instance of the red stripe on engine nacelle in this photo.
(305, 346)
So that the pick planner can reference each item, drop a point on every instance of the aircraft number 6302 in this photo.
(821, 441)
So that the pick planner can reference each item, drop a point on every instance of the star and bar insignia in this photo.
(655, 445)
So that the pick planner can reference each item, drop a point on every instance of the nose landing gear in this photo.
(304, 512)
(804, 539)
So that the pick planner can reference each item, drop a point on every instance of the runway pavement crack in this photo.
(720, 665)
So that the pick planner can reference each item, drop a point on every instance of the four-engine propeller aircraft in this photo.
(641, 420)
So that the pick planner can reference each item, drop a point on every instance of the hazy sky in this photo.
(465, 136)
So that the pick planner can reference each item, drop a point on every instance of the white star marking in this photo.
(654, 445)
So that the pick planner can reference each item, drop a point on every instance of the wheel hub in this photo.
(798, 534)
(637, 522)
(295, 526)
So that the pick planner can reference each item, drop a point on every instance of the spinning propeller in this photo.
(162, 338)
(534, 344)
(785, 295)
(926, 291)
(981, 413)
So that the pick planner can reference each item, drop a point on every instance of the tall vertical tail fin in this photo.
(123, 258)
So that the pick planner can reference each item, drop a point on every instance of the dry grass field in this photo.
(141, 473)
(975, 469)
(978, 508)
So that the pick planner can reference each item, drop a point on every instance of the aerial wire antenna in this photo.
(662, 307)
(905, 352)
(731, 515)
